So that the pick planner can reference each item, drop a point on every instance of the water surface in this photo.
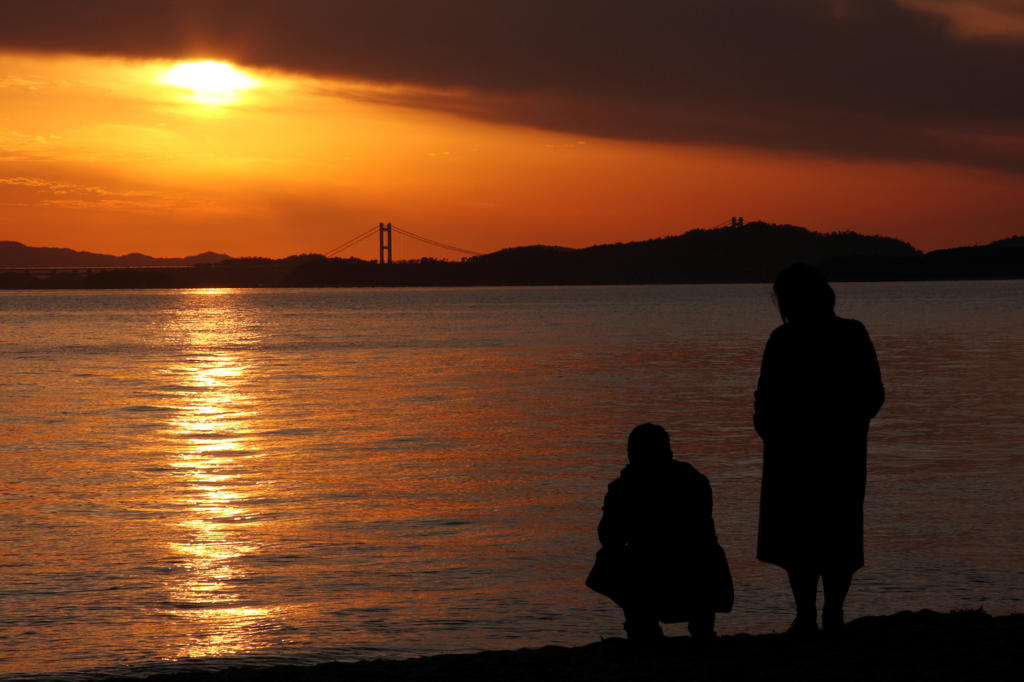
(206, 478)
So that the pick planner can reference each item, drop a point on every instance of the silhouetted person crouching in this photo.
(659, 557)
(819, 388)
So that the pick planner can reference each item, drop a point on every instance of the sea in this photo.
(197, 479)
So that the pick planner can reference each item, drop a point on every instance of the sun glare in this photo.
(210, 82)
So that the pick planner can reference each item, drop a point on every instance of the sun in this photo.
(210, 82)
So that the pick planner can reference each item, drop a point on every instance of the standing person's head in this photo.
(801, 292)
(648, 444)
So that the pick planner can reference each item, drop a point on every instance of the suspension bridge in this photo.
(413, 246)
(399, 244)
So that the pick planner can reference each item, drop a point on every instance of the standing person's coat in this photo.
(659, 548)
(820, 385)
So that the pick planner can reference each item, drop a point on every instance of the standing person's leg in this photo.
(836, 584)
(805, 593)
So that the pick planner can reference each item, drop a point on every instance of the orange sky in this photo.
(103, 154)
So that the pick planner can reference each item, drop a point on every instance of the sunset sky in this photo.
(493, 124)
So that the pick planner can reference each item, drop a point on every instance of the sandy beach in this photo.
(926, 645)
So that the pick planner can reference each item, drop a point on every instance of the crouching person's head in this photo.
(648, 445)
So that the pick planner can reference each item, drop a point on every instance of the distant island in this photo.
(17, 255)
(746, 253)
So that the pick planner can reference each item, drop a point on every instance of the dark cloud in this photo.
(847, 78)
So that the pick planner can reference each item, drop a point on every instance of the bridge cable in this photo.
(433, 243)
(352, 242)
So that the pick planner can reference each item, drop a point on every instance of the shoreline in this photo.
(960, 645)
(248, 286)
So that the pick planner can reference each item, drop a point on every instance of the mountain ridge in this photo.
(17, 255)
(753, 252)
(746, 253)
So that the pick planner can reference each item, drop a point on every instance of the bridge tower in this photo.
(384, 247)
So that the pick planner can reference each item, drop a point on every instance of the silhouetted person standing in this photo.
(819, 388)
(660, 559)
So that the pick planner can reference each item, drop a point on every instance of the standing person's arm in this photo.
(873, 392)
(767, 399)
(863, 394)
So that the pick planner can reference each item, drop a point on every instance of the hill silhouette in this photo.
(17, 255)
(1003, 259)
(754, 252)
(225, 272)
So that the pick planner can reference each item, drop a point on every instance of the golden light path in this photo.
(221, 526)
(210, 82)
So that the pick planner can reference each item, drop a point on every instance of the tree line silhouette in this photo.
(753, 252)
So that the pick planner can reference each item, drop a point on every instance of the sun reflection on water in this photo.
(214, 461)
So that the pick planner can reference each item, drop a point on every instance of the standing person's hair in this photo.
(801, 292)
